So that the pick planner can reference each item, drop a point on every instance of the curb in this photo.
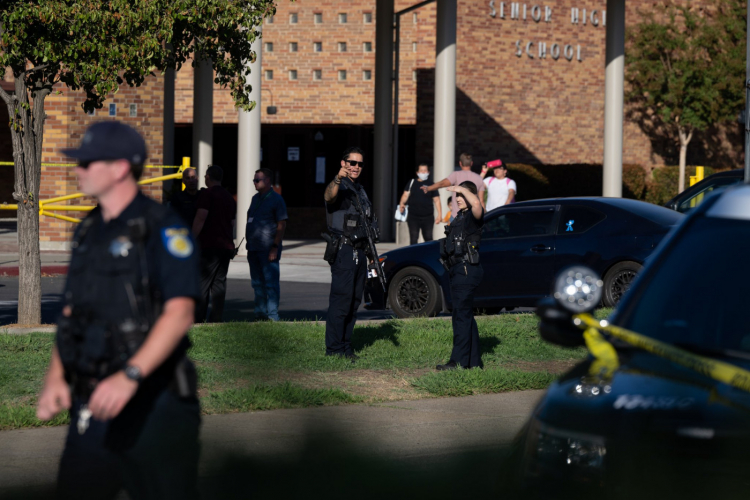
(46, 270)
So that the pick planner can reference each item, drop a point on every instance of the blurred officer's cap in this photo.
(110, 140)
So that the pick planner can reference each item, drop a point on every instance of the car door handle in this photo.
(540, 248)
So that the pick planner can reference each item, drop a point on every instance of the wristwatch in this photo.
(133, 373)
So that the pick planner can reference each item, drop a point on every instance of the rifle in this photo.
(371, 251)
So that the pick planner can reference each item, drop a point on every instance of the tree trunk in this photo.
(685, 136)
(27, 130)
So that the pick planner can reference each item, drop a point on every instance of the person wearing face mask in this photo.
(421, 214)
(459, 255)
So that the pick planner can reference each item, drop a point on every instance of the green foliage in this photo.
(663, 187)
(96, 45)
(685, 66)
(551, 181)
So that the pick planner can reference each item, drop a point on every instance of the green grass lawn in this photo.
(258, 366)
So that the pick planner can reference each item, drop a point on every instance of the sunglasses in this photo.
(354, 163)
(255, 181)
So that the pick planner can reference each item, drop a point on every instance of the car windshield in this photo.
(700, 291)
(695, 199)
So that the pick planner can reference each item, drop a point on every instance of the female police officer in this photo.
(460, 256)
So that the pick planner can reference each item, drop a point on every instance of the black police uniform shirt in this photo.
(466, 222)
(345, 203)
(420, 203)
(186, 206)
(107, 256)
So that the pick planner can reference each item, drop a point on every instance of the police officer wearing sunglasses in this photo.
(459, 254)
(119, 362)
(345, 252)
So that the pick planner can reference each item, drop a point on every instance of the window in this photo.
(317, 75)
(521, 223)
(293, 74)
(269, 46)
(342, 46)
(576, 219)
(293, 18)
(367, 47)
(269, 74)
(133, 110)
(342, 18)
(414, 17)
(292, 46)
(317, 46)
(413, 46)
(696, 199)
(414, 75)
(367, 75)
(367, 18)
(318, 17)
(269, 20)
(112, 109)
(342, 75)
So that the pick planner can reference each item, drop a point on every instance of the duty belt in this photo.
(454, 260)
(358, 246)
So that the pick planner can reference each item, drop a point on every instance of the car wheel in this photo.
(618, 280)
(414, 292)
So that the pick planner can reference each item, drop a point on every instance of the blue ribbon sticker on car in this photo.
(177, 242)
(570, 225)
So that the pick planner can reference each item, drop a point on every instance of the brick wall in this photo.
(64, 128)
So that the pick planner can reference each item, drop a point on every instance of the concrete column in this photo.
(168, 128)
(203, 117)
(248, 147)
(381, 162)
(445, 93)
(613, 98)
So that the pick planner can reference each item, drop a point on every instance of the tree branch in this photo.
(36, 68)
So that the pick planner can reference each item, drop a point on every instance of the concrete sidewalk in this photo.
(301, 260)
(425, 446)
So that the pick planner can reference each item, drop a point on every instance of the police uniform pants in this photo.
(347, 286)
(465, 278)
(160, 460)
(214, 268)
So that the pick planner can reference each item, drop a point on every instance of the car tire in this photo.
(617, 281)
(414, 292)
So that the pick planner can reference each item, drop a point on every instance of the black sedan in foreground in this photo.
(664, 411)
(524, 245)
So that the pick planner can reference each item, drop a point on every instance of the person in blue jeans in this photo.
(266, 223)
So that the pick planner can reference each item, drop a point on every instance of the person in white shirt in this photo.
(500, 189)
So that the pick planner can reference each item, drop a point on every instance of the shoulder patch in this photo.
(177, 241)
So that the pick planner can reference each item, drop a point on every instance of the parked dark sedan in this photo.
(694, 195)
(523, 247)
(670, 416)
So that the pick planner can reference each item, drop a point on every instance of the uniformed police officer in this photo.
(119, 361)
(346, 252)
(460, 256)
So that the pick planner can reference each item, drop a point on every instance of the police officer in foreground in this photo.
(459, 253)
(119, 364)
(346, 252)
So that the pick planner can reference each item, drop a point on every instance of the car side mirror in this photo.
(577, 290)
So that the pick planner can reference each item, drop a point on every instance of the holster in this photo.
(333, 243)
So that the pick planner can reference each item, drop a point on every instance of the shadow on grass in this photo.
(365, 336)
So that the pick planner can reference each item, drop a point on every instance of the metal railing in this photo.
(49, 207)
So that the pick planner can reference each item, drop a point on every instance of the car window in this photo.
(698, 291)
(520, 223)
(697, 198)
(576, 219)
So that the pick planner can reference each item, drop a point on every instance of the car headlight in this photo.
(579, 457)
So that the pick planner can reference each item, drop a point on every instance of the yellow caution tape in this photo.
(717, 370)
(606, 361)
